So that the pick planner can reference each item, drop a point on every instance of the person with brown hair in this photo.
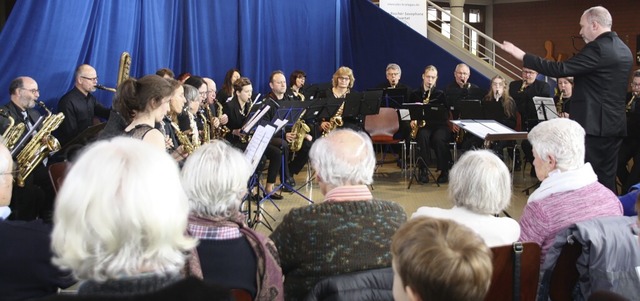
(438, 260)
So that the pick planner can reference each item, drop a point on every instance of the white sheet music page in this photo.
(256, 117)
(279, 123)
(258, 144)
(481, 128)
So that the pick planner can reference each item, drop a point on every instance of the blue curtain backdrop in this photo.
(47, 40)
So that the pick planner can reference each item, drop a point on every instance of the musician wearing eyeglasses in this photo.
(630, 147)
(523, 91)
(79, 106)
(31, 201)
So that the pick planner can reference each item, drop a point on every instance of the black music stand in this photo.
(434, 113)
(470, 109)
(392, 97)
(290, 111)
(492, 110)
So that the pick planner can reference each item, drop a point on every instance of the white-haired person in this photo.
(570, 191)
(120, 221)
(479, 188)
(350, 230)
(26, 271)
(229, 253)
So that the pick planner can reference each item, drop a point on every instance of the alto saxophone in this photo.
(630, 103)
(414, 125)
(335, 121)
(524, 86)
(300, 129)
(206, 134)
(13, 132)
(223, 130)
(187, 146)
(40, 145)
(560, 104)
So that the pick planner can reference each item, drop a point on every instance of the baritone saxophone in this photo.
(40, 145)
(300, 129)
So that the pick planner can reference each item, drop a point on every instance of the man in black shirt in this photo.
(79, 106)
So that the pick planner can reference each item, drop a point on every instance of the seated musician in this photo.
(297, 88)
(35, 199)
(79, 106)
(523, 92)
(630, 147)
(499, 94)
(393, 73)
(342, 82)
(433, 134)
(146, 102)
(227, 92)
(184, 117)
(563, 99)
(238, 112)
(217, 118)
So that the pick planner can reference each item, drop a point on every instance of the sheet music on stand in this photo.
(545, 108)
(258, 144)
(255, 118)
(490, 130)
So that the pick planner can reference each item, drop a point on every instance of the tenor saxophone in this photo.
(335, 121)
(40, 145)
(13, 132)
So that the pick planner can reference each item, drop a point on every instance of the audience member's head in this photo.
(165, 73)
(480, 182)
(438, 259)
(121, 213)
(142, 95)
(215, 179)
(6, 175)
(557, 144)
(343, 157)
(345, 74)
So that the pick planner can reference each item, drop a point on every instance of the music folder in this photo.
(323, 108)
(392, 97)
(470, 109)
(432, 113)
(489, 130)
(545, 108)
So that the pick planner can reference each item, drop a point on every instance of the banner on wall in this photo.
(410, 12)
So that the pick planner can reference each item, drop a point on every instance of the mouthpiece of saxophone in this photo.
(101, 87)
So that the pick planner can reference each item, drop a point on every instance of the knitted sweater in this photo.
(542, 219)
(334, 238)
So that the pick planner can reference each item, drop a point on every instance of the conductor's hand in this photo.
(513, 50)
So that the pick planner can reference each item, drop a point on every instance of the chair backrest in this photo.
(57, 172)
(383, 124)
(241, 294)
(565, 274)
(502, 280)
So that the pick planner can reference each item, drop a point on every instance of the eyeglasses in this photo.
(634, 84)
(344, 78)
(14, 173)
(528, 72)
(393, 74)
(203, 93)
(462, 73)
(211, 92)
(93, 79)
(34, 91)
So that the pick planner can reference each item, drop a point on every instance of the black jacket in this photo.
(600, 70)
(366, 285)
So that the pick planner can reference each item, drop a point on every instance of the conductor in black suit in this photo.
(600, 72)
